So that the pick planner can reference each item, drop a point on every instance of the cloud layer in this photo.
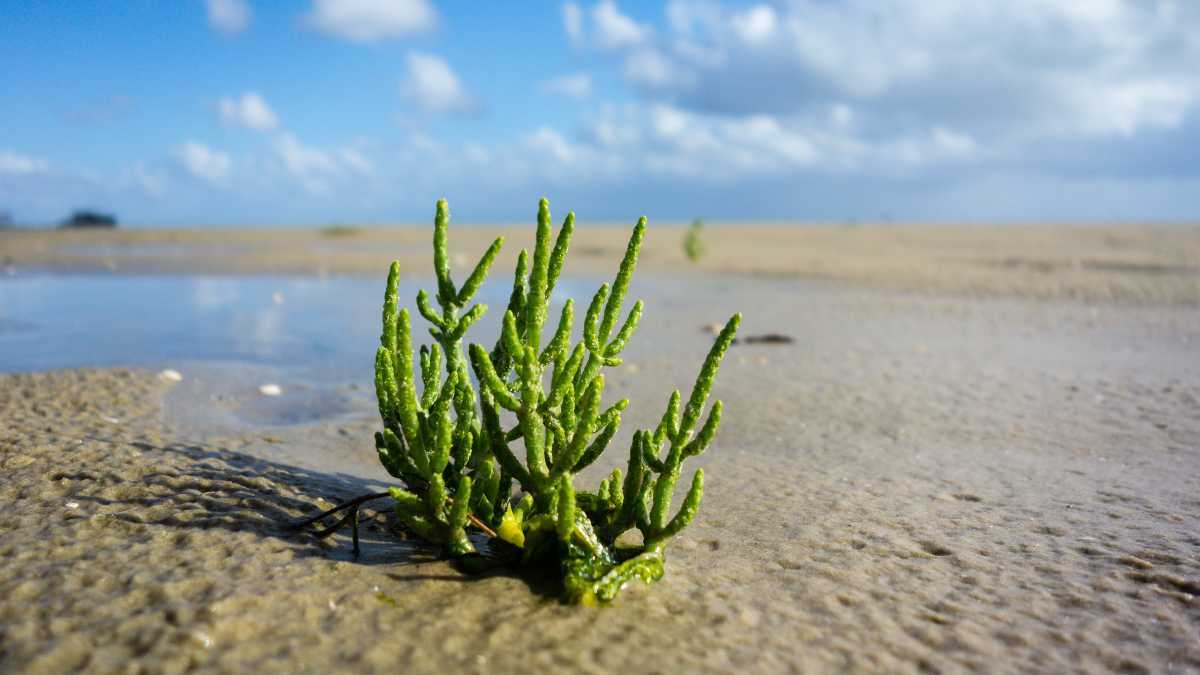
(772, 109)
(893, 88)
(1008, 72)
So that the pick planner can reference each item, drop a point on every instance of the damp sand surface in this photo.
(920, 482)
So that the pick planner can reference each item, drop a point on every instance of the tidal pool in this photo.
(228, 335)
(51, 321)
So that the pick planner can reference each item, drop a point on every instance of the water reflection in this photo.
(327, 324)
(68, 321)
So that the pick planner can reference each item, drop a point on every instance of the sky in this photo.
(248, 112)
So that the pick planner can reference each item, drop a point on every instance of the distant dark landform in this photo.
(90, 219)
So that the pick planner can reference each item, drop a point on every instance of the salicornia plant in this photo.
(693, 246)
(451, 445)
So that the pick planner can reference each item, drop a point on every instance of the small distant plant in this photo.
(693, 246)
(450, 447)
(341, 231)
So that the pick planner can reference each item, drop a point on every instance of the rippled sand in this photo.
(921, 482)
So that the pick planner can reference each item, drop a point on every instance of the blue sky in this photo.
(220, 112)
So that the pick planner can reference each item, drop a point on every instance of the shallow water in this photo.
(323, 325)
(314, 336)
(187, 250)
(63, 321)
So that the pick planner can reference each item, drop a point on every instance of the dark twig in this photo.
(351, 517)
(353, 503)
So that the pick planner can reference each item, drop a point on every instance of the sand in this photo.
(1128, 263)
(958, 477)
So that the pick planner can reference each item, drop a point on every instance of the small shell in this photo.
(270, 390)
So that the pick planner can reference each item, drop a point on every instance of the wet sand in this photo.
(959, 477)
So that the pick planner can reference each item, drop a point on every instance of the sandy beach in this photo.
(978, 454)
(1127, 263)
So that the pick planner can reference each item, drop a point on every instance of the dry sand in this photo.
(1159, 264)
(922, 482)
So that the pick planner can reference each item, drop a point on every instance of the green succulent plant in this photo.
(458, 463)
(693, 245)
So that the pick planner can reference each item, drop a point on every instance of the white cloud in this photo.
(668, 122)
(229, 16)
(316, 169)
(548, 141)
(203, 162)
(153, 182)
(669, 142)
(841, 115)
(300, 158)
(755, 26)
(650, 68)
(354, 159)
(952, 142)
(547, 156)
(702, 147)
(573, 23)
(578, 85)
(372, 20)
(615, 30)
(250, 111)
(14, 163)
(1125, 107)
(662, 144)
(431, 85)
(476, 153)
